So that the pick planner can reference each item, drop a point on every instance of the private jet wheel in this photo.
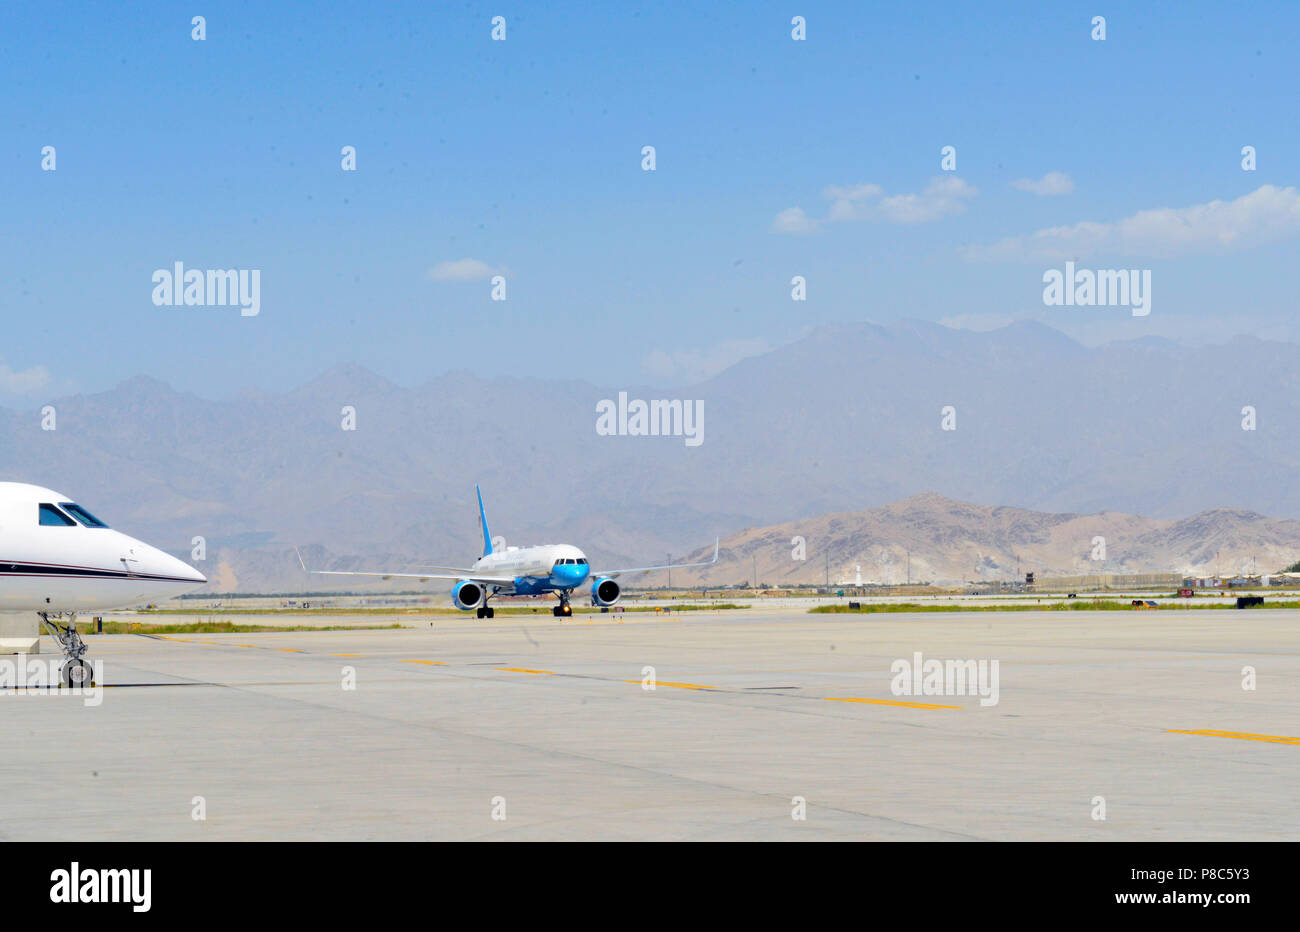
(478, 612)
(491, 612)
(76, 673)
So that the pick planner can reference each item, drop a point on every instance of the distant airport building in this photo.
(1110, 581)
(1242, 581)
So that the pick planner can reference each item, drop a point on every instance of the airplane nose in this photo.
(164, 564)
(185, 571)
(570, 575)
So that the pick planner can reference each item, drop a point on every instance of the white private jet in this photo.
(558, 568)
(57, 559)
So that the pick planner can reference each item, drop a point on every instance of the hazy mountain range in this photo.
(931, 538)
(846, 419)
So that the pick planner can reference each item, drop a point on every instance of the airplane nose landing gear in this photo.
(564, 609)
(76, 671)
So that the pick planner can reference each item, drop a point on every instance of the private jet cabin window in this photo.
(52, 517)
(81, 514)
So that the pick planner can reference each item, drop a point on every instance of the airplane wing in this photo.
(666, 566)
(458, 574)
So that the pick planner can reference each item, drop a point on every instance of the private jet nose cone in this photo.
(158, 563)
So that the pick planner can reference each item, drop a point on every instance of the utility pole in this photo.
(670, 571)
(756, 571)
(828, 569)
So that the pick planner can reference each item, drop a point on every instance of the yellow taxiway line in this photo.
(905, 705)
(1276, 739)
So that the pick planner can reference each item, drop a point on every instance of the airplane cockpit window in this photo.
(581, 561)
(82, 515)
(52, 517)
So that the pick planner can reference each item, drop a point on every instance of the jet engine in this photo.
(605, 592)
(467, 594)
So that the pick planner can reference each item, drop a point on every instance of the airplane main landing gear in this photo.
(485, 611)
(76, 671)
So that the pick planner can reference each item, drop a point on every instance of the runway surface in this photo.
(547, 723)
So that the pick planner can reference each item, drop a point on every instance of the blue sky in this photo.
(525, 155)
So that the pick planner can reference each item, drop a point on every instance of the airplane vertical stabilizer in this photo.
(487, 535)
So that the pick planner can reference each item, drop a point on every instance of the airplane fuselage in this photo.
(546, 568)
(54, 557)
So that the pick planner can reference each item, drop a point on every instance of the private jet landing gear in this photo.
(564, 609)
(75, 672)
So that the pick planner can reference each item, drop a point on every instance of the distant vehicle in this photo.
(57, 559)
(558, 568)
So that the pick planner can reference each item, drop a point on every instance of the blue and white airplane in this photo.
(558, 568)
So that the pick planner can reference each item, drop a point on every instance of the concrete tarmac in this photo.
(547, 723)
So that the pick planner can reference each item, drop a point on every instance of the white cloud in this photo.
(1051, 184)
(1262, 216)
(794, 221)
(463, 270)
(943, 196)
(22, 383)
(697, 364)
